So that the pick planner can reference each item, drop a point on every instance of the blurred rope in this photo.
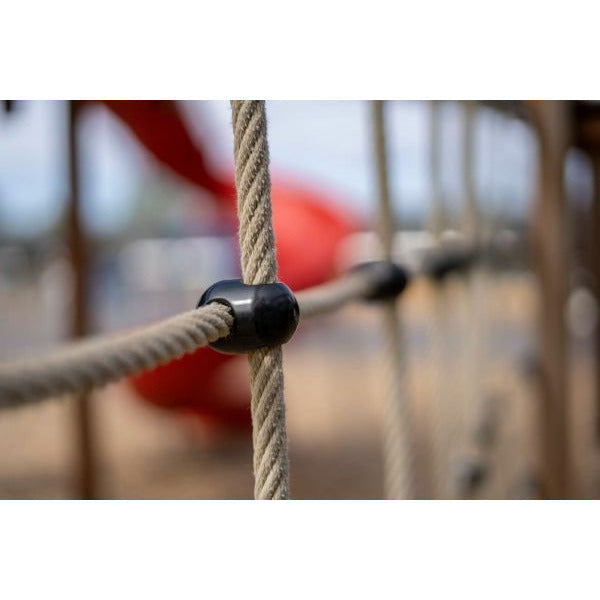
(333, 295)
(441, 390)
(473, 464)
(398, 447)
(98, 361)
(259, 265)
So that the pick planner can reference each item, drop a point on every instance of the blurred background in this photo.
(115, 214)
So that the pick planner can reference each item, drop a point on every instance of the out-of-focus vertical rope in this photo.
(398, 448)
(440, 409)
(470, 471)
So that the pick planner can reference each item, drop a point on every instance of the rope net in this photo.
(453, 417)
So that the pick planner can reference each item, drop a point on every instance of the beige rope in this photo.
(398, 450)
(475, 288)
(441, 412)
(259, 265)
(333, 295)
(502, 456)
(98, 361)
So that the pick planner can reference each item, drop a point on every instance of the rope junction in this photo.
(97, 361)
(229, 319)
(259, 266)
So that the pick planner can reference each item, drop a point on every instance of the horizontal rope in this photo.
(93, 363)
(357, 285)
(81, 366)
(333, 295)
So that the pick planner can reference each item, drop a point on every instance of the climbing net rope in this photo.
(259, 265)
(96, 362)
(104, 359)
(398, 446)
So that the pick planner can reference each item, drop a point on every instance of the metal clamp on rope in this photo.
(264, 315)
(387, 279)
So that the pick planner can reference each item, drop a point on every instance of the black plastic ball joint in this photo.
(471, 475)
(263, 315)
(388, 279)
(440, 266)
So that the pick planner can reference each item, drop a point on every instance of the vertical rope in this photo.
(473, 369)
(398, 451)
(499, 454)
(259, 265)
(441, 414)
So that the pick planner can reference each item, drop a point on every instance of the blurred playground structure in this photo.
(499, 359)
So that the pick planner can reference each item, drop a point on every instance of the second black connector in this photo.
(388, 279)
(440, 265)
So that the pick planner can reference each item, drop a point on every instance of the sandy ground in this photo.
(334, 387)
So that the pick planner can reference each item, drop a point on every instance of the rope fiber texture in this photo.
(259, 265)
(98, 361)
(398, 448)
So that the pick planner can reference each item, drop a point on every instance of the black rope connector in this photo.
(440, 266)
(388, 279)
(471, 475)
(264, 315)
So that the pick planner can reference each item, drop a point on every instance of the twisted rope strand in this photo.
(259, 265)
(102, 360)
(398, 448)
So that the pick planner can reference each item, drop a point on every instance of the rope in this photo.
(259, 265)
(98, 361)
(451, 411)
(333, 295)
(398, 452)
(475, 287)
(505, 458)
(440, 409)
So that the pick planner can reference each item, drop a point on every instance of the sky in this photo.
(327, 143)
